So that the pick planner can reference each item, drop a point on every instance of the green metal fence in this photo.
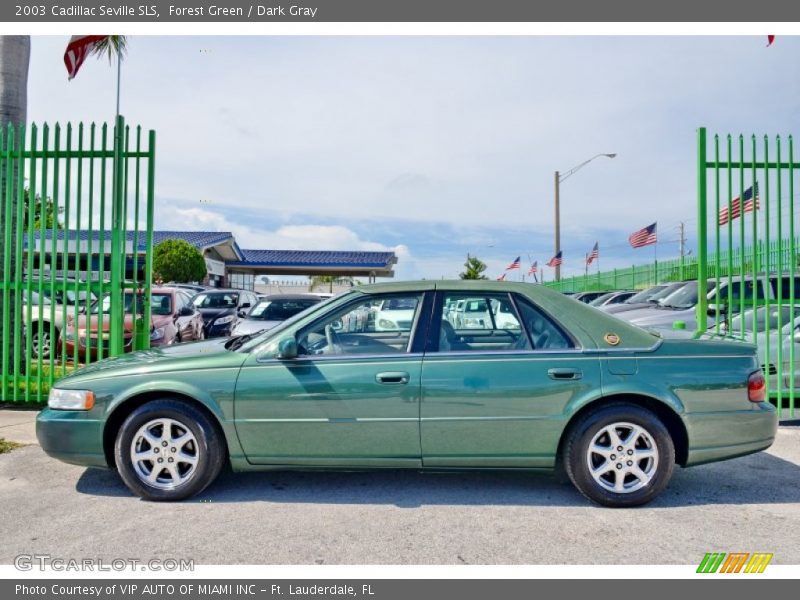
(732, 173)
(76, 219)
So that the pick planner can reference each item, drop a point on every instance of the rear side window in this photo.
(544, 333)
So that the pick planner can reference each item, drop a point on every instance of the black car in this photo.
(221, 309)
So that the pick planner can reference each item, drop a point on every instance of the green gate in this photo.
(746, 213)
(76, 219)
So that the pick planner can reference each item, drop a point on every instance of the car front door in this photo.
(350, 397)
(494, 394)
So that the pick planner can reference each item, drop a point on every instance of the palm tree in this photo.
(473, 268)
(15, 57)
(112, 46)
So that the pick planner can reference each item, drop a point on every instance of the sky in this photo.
(434, 147)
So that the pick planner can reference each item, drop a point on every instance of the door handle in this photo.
(392, 377)
(564, 374)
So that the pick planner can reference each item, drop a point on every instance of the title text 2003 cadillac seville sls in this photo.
(532, 380)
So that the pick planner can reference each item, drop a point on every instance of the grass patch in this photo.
(37, 390)
(6, 446)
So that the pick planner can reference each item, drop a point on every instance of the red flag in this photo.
(77, 50)
(770, 39)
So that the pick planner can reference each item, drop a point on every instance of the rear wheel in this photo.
(619, 455)
(168, 450)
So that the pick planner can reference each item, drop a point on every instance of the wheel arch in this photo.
(121, 412)
(666, 414)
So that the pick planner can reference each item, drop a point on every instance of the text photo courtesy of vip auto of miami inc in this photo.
(398, 300)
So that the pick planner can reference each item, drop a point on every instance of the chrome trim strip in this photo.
(334, 420)
(366, 359)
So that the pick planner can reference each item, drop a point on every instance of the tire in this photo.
(640, 434)
(193, 442)
(40, 341)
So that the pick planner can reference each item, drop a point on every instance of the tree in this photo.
(473, 268)
(179, 261)
(49, 211)
(111, 46)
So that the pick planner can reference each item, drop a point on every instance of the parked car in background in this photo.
(50, 308)
(612, 298)
(394, 314)
(307, 394)
(173, 320)
(645, 299)
(272, 310)
(587, 297)
(221, 309)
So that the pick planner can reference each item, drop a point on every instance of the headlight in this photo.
(157, 334)
(386, 324)
(224, 320)
(70, 399)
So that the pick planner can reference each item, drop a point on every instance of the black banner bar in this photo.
(464, 11)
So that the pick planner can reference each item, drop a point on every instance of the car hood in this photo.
(247, 326)
(179, 357)
(664, 318)
(618, 308)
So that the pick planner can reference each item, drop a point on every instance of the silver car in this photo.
(270, 311)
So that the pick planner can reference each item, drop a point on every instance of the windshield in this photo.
(644, 295)
(601, 299)
(161, 304)
(216, 300)
(686, 297)
(280, 309)
(284, 325)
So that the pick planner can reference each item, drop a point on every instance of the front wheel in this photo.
(620, 455)
(168, 450)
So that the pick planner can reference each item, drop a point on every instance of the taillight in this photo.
(756, 387)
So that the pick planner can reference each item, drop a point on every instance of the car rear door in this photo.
(499, 397)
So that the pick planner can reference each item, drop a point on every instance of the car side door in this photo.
(498, 397)
(349, 398)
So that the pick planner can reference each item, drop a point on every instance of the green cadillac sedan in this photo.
(467, 375)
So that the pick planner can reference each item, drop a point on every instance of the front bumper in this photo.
(723, 435)
(72, 436)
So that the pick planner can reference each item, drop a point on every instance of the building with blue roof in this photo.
(227, 264)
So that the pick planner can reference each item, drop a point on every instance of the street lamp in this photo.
(558, 179)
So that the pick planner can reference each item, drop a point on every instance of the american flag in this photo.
(736, 205)
(555, 261)
(77, 50)
(514, 265)
(644, 237)
(502, 277)
(595, 253)
(534, 268)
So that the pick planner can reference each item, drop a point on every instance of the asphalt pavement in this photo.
(750, 504)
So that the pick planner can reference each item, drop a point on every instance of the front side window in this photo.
(216, 300)
(480, 323)
(372, 325)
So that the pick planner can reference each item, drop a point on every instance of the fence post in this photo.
(702, 223)
(117, 253)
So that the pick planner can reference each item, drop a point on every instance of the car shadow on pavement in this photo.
(757, 479)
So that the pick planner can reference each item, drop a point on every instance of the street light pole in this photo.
(558, 179)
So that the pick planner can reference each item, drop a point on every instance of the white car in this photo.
(395, 314)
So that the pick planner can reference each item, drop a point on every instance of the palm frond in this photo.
(112, 46)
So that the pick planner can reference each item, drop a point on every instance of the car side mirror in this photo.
(242, 314)
(186, 311)
(713, 309)
(245, 305)
(287, 349)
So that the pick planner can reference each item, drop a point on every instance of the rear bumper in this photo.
(72, 437)
(724, 435)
